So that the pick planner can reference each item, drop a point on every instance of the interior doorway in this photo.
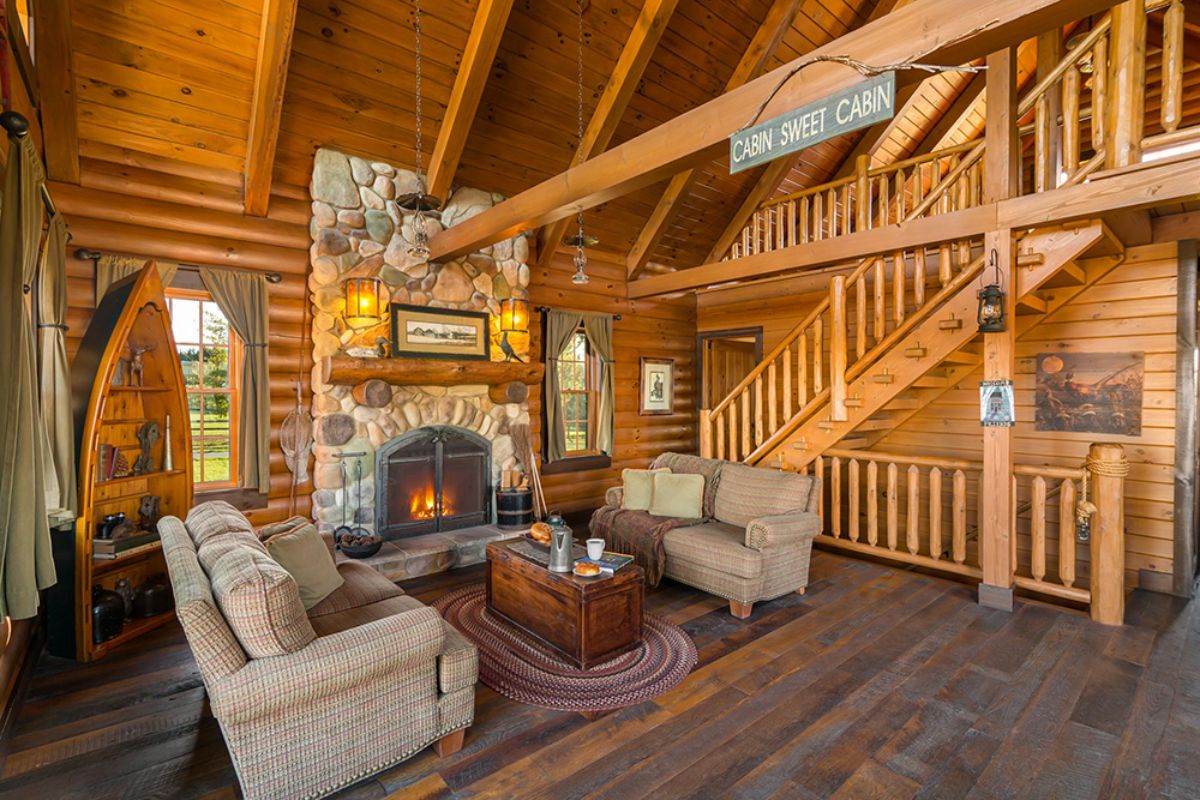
(725, 357)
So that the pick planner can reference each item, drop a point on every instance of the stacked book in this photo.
(109, 549)
(609, 562)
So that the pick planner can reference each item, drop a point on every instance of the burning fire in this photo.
(424, 504)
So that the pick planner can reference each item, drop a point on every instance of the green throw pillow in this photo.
(639, 488)
(678, 495)
(304, 555)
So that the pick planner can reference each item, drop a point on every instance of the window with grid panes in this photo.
(209, 357)
(579, 382)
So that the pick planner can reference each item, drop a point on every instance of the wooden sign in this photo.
(857, 107)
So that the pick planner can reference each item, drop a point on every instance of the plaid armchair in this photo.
(383, 678)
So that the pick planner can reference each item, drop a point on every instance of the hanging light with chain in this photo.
(420, 203)
(580, 240)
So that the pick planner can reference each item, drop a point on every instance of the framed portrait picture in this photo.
(657, 388)
(424, 332)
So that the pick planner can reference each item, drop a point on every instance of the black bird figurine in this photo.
(507, 349)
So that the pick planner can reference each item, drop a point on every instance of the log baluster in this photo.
(893, 506)
(958, 508)
(935, 513)
(913, 530)
(872, 503)
(1037, 529)
(852, 515)
(1066, 533)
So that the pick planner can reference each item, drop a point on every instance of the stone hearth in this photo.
(434, 552)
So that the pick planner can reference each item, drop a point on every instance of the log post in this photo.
(837, 348)
(862, 193)
(706, 433)
(1108, 467)
(1126, 107)
(511, 392)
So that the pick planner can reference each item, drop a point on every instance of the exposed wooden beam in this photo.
(626, 74)
(477, 57)
(266, 107)
(56, 81)
(760, 50)
(1148, 185)
(945, 31)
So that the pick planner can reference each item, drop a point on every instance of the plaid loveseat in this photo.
(756, 540)
(384, 677)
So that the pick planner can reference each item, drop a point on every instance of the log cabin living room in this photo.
(599, 398)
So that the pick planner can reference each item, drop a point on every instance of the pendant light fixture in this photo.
(580, 240)
(420, 203)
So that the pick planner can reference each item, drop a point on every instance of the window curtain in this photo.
(598, 329)
(112, 268)
(560, 326)
(52, 367)
(242, 298)
(25, 556)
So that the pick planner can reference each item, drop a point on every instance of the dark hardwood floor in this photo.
(878, 683)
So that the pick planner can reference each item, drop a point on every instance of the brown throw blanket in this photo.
(638, 534)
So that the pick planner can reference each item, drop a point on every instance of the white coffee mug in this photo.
(595, 548)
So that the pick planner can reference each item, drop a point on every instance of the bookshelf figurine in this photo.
(147, 437)
(137, 363)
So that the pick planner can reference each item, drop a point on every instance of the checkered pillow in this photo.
(261, 603)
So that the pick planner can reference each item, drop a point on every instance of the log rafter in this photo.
(484, 40)
(758, 53)
(56, 81)
(266, 108)
(627, 73)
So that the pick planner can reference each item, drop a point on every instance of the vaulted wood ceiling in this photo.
(168, 86)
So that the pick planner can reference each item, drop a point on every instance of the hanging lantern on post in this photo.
(580, 240)
(364, 303)
(420, 203)
(991, 301)
(514, 321)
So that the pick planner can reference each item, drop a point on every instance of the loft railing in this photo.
(915, 510)
(1064, 134)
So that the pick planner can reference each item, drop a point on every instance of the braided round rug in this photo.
(511, 663)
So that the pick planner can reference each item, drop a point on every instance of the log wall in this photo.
(657, 328)
(1131, 309)
(140, 212)
(145, 220)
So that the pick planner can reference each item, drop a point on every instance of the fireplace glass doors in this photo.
(435, 478)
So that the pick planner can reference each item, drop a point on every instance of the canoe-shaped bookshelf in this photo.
(127, 382)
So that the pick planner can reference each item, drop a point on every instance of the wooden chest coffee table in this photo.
(586, 621)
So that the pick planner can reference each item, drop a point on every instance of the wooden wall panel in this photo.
(663, 328)
(1133, 308)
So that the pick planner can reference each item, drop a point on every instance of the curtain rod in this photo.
(544, 309)
(18, 128)
(271, 277)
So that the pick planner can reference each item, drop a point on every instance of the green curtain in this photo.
(560, 327)
(242, 298)
(112, 268)
(27, 566)
(598, 329)
(54, 377)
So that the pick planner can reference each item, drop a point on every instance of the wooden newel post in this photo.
(706, 433)
(1108, 468)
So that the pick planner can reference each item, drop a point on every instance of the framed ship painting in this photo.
(1090, 393)
(424, 332)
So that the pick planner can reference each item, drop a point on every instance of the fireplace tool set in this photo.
(354, 540)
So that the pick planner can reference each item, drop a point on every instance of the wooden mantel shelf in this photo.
(348, 371)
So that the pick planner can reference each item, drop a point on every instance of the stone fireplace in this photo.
(358, 231)
(433, 479)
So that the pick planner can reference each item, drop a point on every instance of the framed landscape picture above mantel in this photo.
(656, 392)
(424, 332)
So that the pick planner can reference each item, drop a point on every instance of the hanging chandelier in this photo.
(580, 240)
(420, 203)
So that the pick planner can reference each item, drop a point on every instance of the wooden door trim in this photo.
(727, 333)
(1186, 423)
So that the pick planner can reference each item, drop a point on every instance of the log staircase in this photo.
(888, 340)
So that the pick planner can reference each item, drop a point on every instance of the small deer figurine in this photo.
(137, 363)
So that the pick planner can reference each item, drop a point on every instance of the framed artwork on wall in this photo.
(424, 332)
(656, 394)
(1090, 392)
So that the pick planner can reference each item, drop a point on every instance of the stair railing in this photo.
(913, 509)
